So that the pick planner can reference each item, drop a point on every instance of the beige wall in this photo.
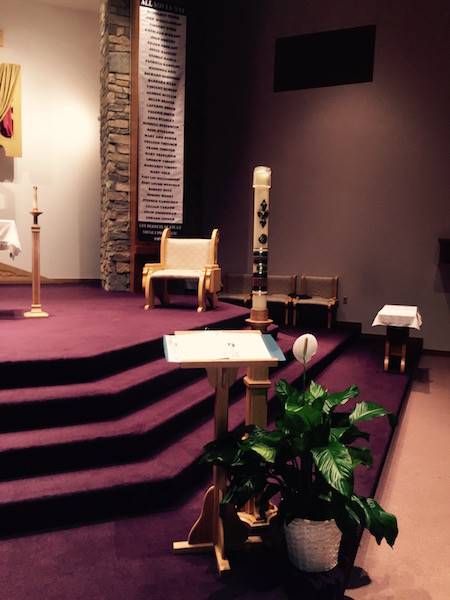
(58, 51)
(359, 172)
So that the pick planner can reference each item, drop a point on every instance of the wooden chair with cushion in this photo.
(320, 291)
(280, 290)
(184, 258)
(237, 288)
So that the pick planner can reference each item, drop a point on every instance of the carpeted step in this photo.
(109, 397)
(131, 437)
(114, 334)
(106, 491)
(106, 398)
(102, 493)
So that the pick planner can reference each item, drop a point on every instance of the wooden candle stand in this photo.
(36, 307)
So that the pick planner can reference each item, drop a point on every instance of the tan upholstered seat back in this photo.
(187, 253)
(239, 283)
(323, 287)
(281, 284)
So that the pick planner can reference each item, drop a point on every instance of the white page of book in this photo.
(215, 345)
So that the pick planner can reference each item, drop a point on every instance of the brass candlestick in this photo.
(36, 307)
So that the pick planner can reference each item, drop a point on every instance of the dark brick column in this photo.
(115, 46)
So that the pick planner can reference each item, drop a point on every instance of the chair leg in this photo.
(330, 316)
(165, 292)
(294, 315)
(286, 314)
(403, 359)
(213, 299)
(201, 294)
(149, 297)
(387, 352)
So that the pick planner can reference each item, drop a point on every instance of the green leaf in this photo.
(392, 419)
(380, 523)
(303, 421)
(335, 464)
(346, 518)
(361, 456)
(347, 434)
(340, 398)
(268, 453)
(352, 433)
(240, 492)
(365, 411)
(336, 433)
(294, 402)
(270, 491)
(285, 390)
(316, 390)
(271, 438)
(223, 451)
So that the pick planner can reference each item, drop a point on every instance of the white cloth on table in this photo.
(397, 315)
(9, 237)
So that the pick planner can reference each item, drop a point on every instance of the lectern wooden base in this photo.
(219, 528)
(208, 532)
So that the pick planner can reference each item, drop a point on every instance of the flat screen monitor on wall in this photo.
(323, 59)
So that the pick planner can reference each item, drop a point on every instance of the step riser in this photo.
(110, 504)
(118, 449)
(78, 370)
(73, 411)
(31, 462)
(56, 510)
(104, 505)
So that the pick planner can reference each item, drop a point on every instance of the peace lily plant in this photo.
(308, 459)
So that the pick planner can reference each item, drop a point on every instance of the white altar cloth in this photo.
(397, 315)
(9, 237)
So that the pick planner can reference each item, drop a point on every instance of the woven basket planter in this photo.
(313, 546)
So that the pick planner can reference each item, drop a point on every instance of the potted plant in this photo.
(308, 459)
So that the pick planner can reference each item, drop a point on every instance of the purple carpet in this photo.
(122, 437)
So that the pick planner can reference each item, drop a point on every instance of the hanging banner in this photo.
(162, 63)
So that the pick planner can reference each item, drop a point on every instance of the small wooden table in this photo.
(398, 319)
(221, 353)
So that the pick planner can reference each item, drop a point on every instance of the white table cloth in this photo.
(396, 315)
(9, 237)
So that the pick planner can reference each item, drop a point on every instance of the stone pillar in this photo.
(115, 98)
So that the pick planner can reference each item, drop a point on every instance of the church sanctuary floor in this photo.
(116, 558)
(415, 485)
(131, 558)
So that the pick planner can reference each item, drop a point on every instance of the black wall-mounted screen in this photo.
(323, 59)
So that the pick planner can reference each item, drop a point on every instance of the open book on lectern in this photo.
(193, 346)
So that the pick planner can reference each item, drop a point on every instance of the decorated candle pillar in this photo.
(257, 381)
(259, 316)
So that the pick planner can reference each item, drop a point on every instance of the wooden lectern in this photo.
(221, 353)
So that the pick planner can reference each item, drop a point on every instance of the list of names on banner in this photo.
(162, 60)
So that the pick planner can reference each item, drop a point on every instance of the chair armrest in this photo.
(148, 269)
(213, 278)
